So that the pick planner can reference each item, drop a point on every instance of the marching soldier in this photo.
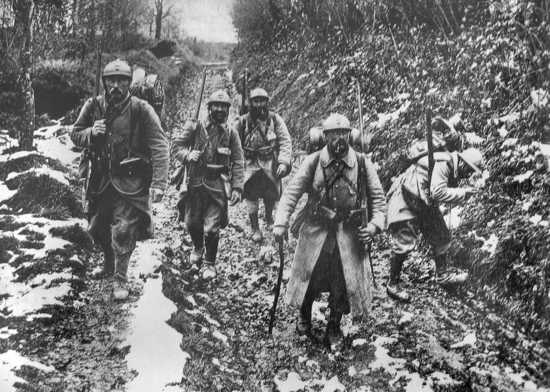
(214, 158)
(330, 254)
(413, 207)
(267, 149)
(128, 152)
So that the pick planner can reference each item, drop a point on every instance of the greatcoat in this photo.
(266, 144)
(135, 130)
(355, 264)
(442, 188)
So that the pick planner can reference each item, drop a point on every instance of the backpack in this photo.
(148, 87)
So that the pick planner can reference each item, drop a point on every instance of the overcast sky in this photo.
(209, 20)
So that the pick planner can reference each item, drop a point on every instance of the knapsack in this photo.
(149, 88)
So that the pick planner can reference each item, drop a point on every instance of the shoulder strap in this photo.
(362, 180)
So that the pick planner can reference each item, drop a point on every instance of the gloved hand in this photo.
(279, 233)
(367, 233)
(194, 155)
(99, 128)
(235, 197)
(282, 170)
(156, 195)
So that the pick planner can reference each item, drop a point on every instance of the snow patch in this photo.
(293, 383)
(469, 340)
(59, 148)
(6, 193)
(17, 155)
(41, 171)
(6, 332)
(220, 336)
(490, 245)
(9, 362)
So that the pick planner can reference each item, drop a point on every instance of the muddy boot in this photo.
(269, 212)
(333, 334)
(209, 267)
(447, 276)
(303, 324)
(394, 287)
(108, 269)
(256, 233)
(120, 284)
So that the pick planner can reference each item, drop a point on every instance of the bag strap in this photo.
(362, 181)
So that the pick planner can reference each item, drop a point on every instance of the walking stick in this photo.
(364, 207)
(277, 286)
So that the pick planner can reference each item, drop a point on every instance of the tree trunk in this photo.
(158, 18)
(24, 12)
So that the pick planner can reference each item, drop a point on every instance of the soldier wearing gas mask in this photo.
(267, 149)
(126, 167)
(330, 254)
(214, 157)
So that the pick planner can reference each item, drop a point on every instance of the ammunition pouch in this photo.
(263, 153)
(328, 216)
(134, 167)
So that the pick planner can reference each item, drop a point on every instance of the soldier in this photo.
(129, 168)
(330, 253)
(211, 151)
(413, 207)
(267, 149)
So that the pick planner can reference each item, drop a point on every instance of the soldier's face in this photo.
(258, 108)
(338, 141)
(219, 112)
(116, 88)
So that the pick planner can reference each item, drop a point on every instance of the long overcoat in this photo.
(256, 135)
(135, 131)
(355, 264)
(442, 188)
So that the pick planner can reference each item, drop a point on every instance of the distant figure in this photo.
(128, 156)
(330, 254)
(268, 152)
(214, 157)
(413, 207)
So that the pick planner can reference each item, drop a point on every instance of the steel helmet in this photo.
(336, 121)
(473, 158)
(118, 68)
(219, 96)
(259, 93)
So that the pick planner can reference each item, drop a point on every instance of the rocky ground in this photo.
(60, 330)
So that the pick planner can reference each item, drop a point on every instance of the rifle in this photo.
(364, 205)
(277, 286)
(429, 139)
(181, 177)
(90, 155)
(244, 109)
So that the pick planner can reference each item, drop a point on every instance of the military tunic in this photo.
(266, 144)
(205, 202)
(404, 221)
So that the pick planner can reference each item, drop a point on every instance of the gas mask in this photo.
(337, 142)
(258, 109)
(218, 112)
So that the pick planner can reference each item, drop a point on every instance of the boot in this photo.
(256, 233)
(108, 269)
(209, 268)
(197, 236)
(303, 324)
(446, 276)
(333, 334)
(269, 212)
(393, 287)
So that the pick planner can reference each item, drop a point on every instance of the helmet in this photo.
(117, 68)
(439, 124)
(259, 93)
(473, 158)
(219, 96)
(336, 121)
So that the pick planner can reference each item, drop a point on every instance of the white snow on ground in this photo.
(5, 192)
(469, 340)
(154, 346)
(384, 118)
(490, 245)
(6, 332)
(293, 383)
(58, 148)
(23, 299)
(17, 155)
(41, 171)
(11, 361)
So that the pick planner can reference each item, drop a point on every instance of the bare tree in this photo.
(24, 16)
(160, 14)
